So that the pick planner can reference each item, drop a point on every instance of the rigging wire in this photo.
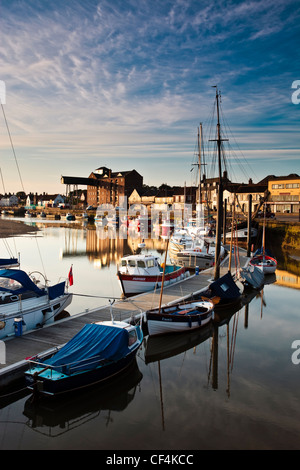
(12, 146)
(21, 181)
(243, 161)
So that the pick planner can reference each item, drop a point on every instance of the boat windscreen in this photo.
(19, 282)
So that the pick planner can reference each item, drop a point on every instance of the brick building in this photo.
(111, 187)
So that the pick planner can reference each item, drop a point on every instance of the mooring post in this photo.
(249, 225)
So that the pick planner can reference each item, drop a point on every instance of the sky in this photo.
(126, 83)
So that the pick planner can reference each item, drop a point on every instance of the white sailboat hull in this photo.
(159, 327)
(32, 312)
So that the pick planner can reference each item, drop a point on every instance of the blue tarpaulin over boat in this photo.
(225, 287)
(92, 343)
(23, 279)
(56, 290)
(4, 262)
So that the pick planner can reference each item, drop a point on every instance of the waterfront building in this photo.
(111, 187)
(241, 192)
(185, 195)
(9, 201)
(284, 193)
(49, 200)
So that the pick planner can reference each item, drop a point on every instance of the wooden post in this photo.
(224, 221)
(163, 277)
(249, 224)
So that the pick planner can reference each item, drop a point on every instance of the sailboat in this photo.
(224, 290)
(262, 258)
(192, 247)
(179, 317)
(27, 301)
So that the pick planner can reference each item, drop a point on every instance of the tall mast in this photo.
(199, 161)
(220, 194)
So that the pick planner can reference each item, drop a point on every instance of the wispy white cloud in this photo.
(88, 80)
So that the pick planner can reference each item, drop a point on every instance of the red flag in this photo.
(70, 276)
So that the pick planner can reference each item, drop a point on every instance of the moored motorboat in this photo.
(200, 254)
(242, 233)
(180, 240)
(98, 352)
(142, 273)
(25, 306)
(179, 317)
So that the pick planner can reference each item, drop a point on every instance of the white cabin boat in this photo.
(25, 305)
(143, 272)
(242, 234)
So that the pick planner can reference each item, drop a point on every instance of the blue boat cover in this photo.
(56, 290)
(90, 345)
(225, 287)
(23, 279)
(9, 261)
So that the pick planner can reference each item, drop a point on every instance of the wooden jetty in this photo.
(50, 337)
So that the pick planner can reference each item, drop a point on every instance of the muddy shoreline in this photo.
(12, 228)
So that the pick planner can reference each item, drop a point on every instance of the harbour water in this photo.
(182, 393)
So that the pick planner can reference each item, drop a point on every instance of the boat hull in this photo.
(57, 384)
(266, 264)
(242, 234)
(164, 321)
(32, 313)
(193, 260)
(162, 325)
(133, 284)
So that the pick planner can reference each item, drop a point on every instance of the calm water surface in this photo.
(178, 395)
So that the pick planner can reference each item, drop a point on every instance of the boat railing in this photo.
(73, 366)
(65, 368)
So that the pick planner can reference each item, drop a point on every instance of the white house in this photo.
(47, 200)
(9, 201)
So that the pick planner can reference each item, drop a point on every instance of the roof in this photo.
(273, 177)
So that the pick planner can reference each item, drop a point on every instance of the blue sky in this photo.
(125, 84)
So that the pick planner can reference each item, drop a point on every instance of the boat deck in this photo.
(46, 339)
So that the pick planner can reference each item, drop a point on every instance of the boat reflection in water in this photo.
(159, 348)
(56, 416)
(165, 346)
